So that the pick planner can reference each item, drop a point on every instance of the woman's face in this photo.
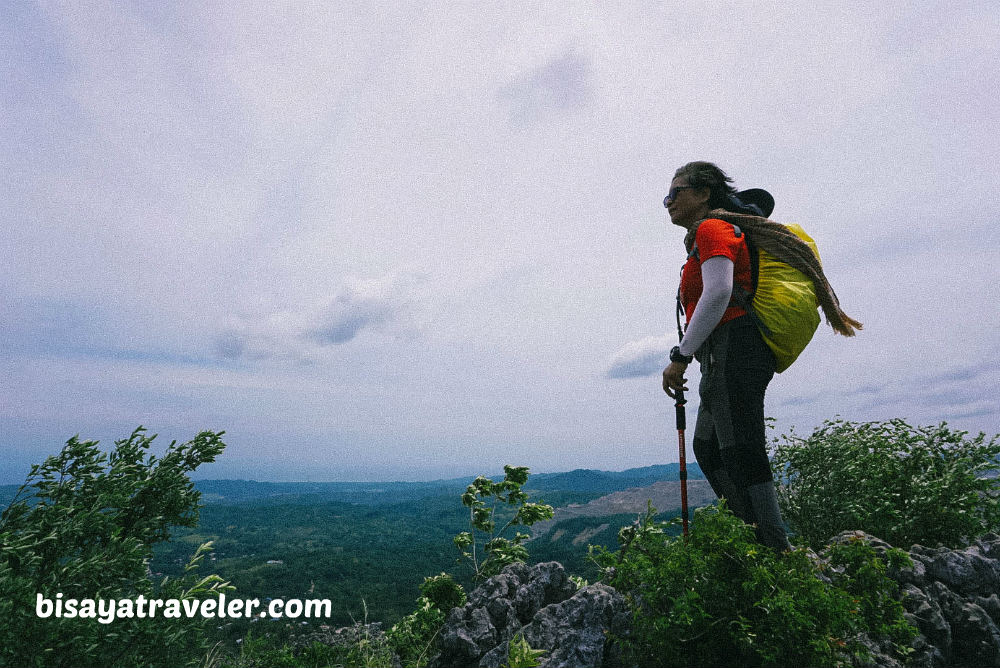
(685, 204)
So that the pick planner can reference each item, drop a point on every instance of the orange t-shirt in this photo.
(715, 237)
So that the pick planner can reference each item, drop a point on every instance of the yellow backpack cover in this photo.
(784, 305)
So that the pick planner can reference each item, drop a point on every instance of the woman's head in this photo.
(706, 175)
(697, 188)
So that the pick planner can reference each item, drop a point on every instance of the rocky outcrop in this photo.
(571, 625)
(951, 596)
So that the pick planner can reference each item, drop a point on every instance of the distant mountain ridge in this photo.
(589, 480)
(381, 493)
(387, 493)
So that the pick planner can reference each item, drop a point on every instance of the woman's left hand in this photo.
(673, 379)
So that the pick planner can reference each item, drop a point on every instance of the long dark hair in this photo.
(701, 174)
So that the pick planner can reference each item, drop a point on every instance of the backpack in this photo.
(783, 304)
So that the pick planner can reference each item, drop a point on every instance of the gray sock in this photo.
(770, 528)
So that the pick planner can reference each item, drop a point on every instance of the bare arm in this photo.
(717, 288)
(717, 281)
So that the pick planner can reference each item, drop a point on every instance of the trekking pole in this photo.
(681, 426)
(681, 423)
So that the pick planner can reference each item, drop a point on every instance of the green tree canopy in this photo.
(83, 525)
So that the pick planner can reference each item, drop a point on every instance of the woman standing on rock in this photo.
(736, 364)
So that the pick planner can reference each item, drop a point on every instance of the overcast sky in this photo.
(415, 240)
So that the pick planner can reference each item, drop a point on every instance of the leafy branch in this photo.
(486, 547)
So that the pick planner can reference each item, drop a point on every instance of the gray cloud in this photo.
(559, 85)
(971, 412)
(373, 306)
(959, 374)
(802, 400)
(49, 326)
(44, 327)
(349, 313)
(231, 345)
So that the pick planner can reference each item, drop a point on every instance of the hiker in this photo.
(736, 363)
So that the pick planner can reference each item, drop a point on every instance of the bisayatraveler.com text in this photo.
(107, 610)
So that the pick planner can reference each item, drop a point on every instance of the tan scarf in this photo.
(783, 245)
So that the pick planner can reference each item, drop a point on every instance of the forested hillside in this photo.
(287, 540)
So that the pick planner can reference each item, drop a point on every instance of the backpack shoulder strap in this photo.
(741, 297)
(679, 310)
(754, 259)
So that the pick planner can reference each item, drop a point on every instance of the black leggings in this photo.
(737, 366)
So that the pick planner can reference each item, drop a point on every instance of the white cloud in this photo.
(645, 357)
(360, 306)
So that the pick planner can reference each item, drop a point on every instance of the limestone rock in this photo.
(950, 595)
(574, 633)
(541, 603)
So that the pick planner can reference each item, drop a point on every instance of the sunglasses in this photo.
(672, 195)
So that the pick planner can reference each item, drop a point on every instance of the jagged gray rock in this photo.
(951, 597)
(571, 625)
(575, 632)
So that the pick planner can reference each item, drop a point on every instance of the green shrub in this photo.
(266, 651)
(906, 485)
(259, 651)
(278, 648)
(854, 568)
(412, 638)
(484, 545)
(722, 599)
(82, 525)
(443, 592)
